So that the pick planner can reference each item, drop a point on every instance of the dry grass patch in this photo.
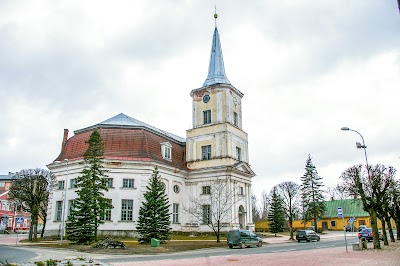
(133, 247)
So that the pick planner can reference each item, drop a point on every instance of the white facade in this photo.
(216, 149)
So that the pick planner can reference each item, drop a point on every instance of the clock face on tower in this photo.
(206, 98)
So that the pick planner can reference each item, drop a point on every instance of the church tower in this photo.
(217, 137)
(217, 146)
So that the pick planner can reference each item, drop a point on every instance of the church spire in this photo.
(216, 69)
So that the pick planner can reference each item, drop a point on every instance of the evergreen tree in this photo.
(154, 217)
(276, 215)
(312, 194)
(87, 210)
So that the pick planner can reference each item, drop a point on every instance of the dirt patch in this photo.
(132, 247)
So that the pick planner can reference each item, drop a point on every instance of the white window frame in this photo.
(58, 212)
(241, 190)
(206, 117)
(206, 214)
(72, 183)
(126, 210)
(107, 212)
(59, 184)
(238, 154)
(206, 190)
(175, 213)
(166, 151)
(206, 152)
(109, 182)
(235, 119)
(128, 183)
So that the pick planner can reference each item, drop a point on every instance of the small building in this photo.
(353, 215)
(12, 218)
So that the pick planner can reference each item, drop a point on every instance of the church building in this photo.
(215, 148)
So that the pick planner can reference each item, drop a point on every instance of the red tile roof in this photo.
(136, 144)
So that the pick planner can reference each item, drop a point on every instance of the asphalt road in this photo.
(21, 254)
(15, 254)
(265, 249)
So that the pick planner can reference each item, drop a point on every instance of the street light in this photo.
(64, 202)
(358, 144)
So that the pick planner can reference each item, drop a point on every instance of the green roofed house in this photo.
(352, 211)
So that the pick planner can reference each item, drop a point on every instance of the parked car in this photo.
(243, 238)
(350, 228)
(366, 233)
(362, 227)
(307, 235)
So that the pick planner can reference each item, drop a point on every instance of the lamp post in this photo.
(359, 146)
(64, 202)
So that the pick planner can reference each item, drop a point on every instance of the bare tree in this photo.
(31, 187)
(394, 206)
(255, 209)
(370, 186)
(336, 193)
(215, 209)
(265, 203)
(289, 192)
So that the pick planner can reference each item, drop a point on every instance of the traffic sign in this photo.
(19, 220)
(339, 212)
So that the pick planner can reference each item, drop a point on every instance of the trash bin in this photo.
(155, 242)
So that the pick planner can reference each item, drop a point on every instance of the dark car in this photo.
(307, 235)
(362, 227)
(366, 233)
(351, 228)
(243, 238)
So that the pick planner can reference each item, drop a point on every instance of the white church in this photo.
(216, 147)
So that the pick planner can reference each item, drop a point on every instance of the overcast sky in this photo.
(306, 68)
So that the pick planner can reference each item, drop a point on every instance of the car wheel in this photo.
(259, 244)
(242, 245)
(318, 239)
(230, 246)
(298, 241)
(308, 240)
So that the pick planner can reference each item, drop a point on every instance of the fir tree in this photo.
(312, 194)
(87, 210)
(154, 217)
(276, 215)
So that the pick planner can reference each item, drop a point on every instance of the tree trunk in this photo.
(291, 228)
(30, 230)
(385, 240)
(389, 224)
(398, 229)
(374, 222)
(42, 232)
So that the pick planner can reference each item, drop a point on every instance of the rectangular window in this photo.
(235, 119)
(166, 150)
(70, 203)
(107, 212)
(175, 213)
(126, 210)
(58, 210)
(61, 184)
(206, 152)
(206, 214)
(207, 117)
(128, 183)
(109, 182)
(239, 154)
(241, 191)
(72, 183)
(207, 190)
(333, 223)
